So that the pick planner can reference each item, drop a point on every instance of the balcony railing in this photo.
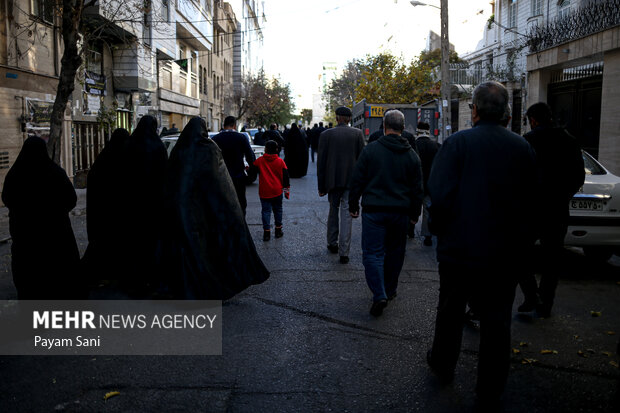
(592, 18)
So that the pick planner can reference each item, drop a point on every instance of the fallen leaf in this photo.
(607, 353)
(582, 354)
(111, 394)
(54, 381)
(528, 361)
(615, 364)
(548, 352)
(575, 336)
(516, 351)
(611, 333)
(523, 344)
(596, 313)
(591, 350)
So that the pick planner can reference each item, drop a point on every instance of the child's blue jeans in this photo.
(268, 205)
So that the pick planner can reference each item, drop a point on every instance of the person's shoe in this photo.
(527, 307)
(279, 233)
(444, 377)
(392, 296)
(543, 310)
(333, 248)
(266, 235)
(344, 259)
(428, 241)
(377, 308)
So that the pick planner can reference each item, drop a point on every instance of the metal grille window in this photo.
(4, 160)
(43, 9)
(536, 7)
(94, 62)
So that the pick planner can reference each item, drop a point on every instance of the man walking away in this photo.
(313, 134)
(427, 149)
(388, 177)
(274, 135)
(562, 174)
(484, 233)
(339, 149)
(235, 146)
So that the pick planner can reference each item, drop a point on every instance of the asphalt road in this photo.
(304, 342)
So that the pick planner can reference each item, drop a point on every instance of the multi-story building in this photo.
(143, 60)
(566, 53)
(247, 57)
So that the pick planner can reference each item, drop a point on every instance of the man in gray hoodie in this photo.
(388, 177)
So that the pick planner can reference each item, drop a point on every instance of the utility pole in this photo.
(446, 107)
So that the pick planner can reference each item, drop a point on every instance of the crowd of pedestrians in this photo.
(467, 191)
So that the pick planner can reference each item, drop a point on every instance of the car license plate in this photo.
(586, 204)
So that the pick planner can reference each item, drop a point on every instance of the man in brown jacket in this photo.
(339, 149)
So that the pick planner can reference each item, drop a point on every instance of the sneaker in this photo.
(266, 235)
(428, 241)
(377, 308)
(344, 259)
(333, 248)
(279, 232)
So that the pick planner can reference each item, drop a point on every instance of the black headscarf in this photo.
(296, 153)
(39, 196)
(209, 252)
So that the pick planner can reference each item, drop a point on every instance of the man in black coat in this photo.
(313, 135)
(484, 232)
(235, 146)
(562, 174)
(388, 177)
(427, 149)
(274, 135)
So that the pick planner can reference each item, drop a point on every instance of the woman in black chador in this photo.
(296, 153)
(208, 251)
(125, 209)
(142, 189)
(39, 196)
(105, 215)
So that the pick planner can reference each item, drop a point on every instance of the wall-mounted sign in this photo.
(94, 83)
(38, 118)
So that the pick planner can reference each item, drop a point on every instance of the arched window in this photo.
(200, 80)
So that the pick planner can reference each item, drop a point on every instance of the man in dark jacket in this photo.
(235, 146)
(388, 177)
(313, 135)
(427, 149)
(274, 135)
(484, 233)
(562, 174)
(339, 149)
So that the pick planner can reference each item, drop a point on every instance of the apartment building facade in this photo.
(566, 53)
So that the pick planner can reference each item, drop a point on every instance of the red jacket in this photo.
(273, 175)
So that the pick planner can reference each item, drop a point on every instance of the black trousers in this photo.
(552, 247)
(239, 184)
(494, 289)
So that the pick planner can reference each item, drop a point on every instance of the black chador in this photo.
(105, 213)
(39, 196)
(208, 250)
(125, 209)
(296, 153)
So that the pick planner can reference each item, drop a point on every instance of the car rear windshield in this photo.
(592, 167)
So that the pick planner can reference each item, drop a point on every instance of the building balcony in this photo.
(192, 26)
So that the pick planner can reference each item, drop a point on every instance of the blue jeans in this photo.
(268, 205)
(384, 238)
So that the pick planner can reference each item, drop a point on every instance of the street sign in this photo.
(376, 111)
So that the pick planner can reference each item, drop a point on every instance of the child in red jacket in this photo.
(273, 180)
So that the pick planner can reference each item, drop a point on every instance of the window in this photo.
(536, 7)
(94, 62)
(165, 14)
(43, 9)
(204, 84)
(512, 14)
(200, 79)
(181, 57)
(564, 9)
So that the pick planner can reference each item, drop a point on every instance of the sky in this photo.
(300, 35)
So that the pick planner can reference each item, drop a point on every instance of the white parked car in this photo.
(171, 140)
(594, 223)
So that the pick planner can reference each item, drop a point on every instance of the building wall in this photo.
(609, 144)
